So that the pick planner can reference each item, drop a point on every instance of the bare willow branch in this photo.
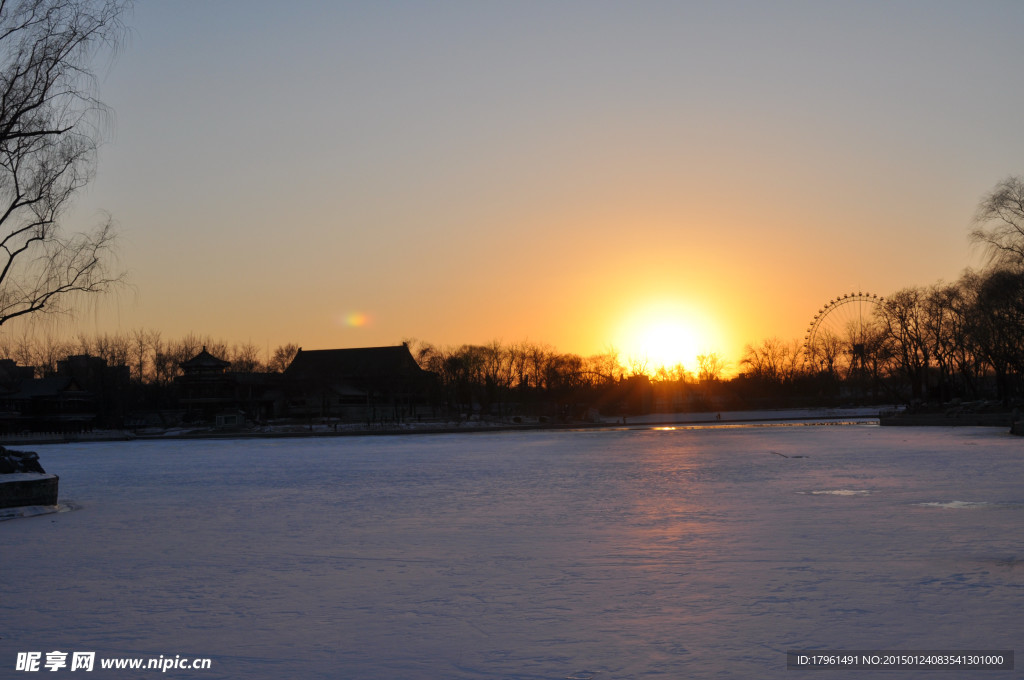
(999, 224)
(50, 125)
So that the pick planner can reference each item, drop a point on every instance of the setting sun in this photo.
(667, 334)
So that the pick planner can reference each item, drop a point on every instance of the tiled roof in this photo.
(46, 387)
(204, 360)
(359, 362)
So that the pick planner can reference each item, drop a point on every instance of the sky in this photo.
(590, 175)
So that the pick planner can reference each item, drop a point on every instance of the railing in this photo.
(52, 437)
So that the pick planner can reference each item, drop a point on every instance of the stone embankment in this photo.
(23, 480)
(985, 415)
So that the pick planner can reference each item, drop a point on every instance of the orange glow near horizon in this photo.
(666, 334)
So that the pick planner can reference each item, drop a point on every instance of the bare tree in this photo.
(142, 344)
(999, 223)
(245, 358)
(536, 360)
(282, 357)
(48, 352)
(604, 367)
(637, 365)
(997, 324)
(711, 366)
(112, 348)
(903, 315)
(824, 354)
(50, 126)
(767, 360)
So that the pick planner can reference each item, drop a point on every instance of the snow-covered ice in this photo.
(603, 554)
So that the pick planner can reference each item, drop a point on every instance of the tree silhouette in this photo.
(999, 223)
(50, 125)
(711, 366)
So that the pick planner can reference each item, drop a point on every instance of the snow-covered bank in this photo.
(614, 553)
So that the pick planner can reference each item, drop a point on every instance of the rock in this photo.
(19, 461)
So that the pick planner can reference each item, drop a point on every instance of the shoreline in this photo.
(853, 416)
(504, 427)
(676, 420)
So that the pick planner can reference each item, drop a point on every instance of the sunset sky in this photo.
(584, 174)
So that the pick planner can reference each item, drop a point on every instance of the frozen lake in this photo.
(697, 553)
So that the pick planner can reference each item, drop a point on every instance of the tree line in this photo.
(150, 358)
(949, 340)
(958, 340)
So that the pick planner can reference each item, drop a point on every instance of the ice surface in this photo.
(971, 504)
(838, 492)
(595, 554)
(20, 511)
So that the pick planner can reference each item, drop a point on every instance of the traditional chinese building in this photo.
(204, 386)
(358, 384)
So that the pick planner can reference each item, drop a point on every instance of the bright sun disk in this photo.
(666, 335)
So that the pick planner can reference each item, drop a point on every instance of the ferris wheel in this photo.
(844, 326)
